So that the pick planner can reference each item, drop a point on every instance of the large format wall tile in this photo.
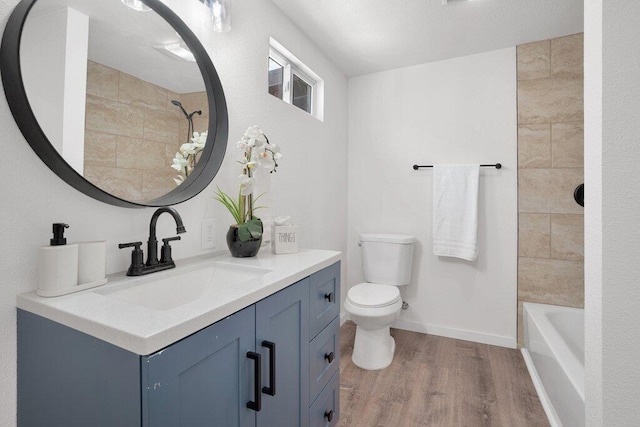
(567, 237)
(534, 146)
(161, 126)
(550, 166)
(534, 235)
(112, 117)
(102, 81)
(99, 149)
(549, 190)
(567, 57)
(156, 184)
(550, 100)
(123, 183)
(133, 132)
(567, 145)
(140, 154)
(551, 281)
(534, 60)
(142, 94)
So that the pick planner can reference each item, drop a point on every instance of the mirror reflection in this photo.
(117, 93)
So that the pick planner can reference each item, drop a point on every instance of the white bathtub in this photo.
(554, 353)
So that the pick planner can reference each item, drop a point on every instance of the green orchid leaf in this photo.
(243, 232)
(254, 226)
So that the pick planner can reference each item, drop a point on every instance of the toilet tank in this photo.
(387, 258)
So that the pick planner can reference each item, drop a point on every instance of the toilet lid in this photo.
(373, 295)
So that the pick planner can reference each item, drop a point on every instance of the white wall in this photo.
(612, 229)
(54, 64)
(593, 210)
(461, 110)
(310, 185)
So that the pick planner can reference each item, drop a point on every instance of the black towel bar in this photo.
(497, 166)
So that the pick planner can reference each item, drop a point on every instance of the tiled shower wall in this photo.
(132, 133)
(550, 166)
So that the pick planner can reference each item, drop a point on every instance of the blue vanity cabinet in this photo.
(282, 338)
(69, 378)
(324, 347)
(205, 379)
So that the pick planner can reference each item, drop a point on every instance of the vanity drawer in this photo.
(324, 355)
(324, 298)
(325, 411)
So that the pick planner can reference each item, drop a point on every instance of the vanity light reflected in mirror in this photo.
(95, 89)
(219, 15)
(137, 5)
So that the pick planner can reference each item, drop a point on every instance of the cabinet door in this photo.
(324, 300)
(205, 379)
(283, 319)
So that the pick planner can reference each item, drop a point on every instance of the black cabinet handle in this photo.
(329, 357)
(256, 404)
(330, 297)
(329, 415)
(271, 390)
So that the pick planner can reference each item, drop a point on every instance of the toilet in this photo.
(374, 305)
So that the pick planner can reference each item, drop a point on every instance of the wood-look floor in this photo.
(436, 381)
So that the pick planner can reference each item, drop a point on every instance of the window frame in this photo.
(290, 68)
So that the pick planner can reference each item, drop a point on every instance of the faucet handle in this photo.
(137, 257)
(130, 245)
(170, 239)
(165, 253)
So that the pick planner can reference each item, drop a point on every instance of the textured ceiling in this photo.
(366, 36)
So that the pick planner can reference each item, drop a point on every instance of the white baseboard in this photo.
(343, 318)
(552, 416)
(460, 334)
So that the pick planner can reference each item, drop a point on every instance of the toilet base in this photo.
(373, 349)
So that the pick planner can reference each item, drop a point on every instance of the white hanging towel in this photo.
(455, 211)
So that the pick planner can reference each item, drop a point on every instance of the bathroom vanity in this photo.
(217, 341)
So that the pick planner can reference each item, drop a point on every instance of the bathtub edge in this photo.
(552, 416)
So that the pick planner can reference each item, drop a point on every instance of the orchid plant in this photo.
(255, 150)
(185, 159)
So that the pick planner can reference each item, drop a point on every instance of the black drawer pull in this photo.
(330, 297)
(271, 390)
(256, 404)
(329, 415)
(329, 357)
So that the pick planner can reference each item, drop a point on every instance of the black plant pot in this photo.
(240, 249)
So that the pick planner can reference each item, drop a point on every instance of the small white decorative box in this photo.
(284, 239)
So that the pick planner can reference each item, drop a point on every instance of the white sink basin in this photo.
(169, 290)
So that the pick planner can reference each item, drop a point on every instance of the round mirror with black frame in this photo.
(170, 89)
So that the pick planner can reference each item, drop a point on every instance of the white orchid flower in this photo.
(246, 185)
(188, 148)
(253, 132)
(242, 146)
(180, 163)
(199, 139)
(275, 149)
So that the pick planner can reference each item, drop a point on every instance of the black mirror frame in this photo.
(218, 132)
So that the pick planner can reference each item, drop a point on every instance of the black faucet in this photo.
(138, 267)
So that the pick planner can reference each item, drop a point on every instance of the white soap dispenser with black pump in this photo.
(57, 265)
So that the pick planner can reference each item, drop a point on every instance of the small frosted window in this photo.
(293, 82)
(302, 92)
(276, 82)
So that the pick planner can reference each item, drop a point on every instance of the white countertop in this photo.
(143, 330)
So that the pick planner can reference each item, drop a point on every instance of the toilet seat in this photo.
(372, 295)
